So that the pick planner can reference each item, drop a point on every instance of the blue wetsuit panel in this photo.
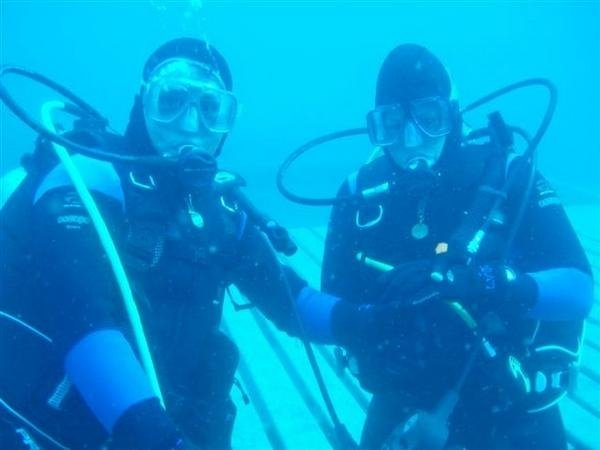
(107, 374)
(99, 176)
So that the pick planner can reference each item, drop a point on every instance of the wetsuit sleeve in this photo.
(79, 292)
(266, 282)
(84, 315)
(280, 293)
(549, 251)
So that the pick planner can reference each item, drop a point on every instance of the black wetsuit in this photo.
(181, 251)
(411, 371)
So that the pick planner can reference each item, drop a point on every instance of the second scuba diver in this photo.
(497, 327)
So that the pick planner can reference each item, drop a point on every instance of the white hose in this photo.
(109, 247)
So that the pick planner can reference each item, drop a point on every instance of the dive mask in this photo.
(178, 85)
(431, 115)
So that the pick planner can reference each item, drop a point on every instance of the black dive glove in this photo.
(354, 325)
(404, 281)
(146, 426)
(488, 288)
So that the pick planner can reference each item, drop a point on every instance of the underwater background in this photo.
(302, 69)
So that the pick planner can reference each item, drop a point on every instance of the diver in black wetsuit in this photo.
(71, 374)
(528, 302)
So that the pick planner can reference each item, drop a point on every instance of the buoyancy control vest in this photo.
(541, 356)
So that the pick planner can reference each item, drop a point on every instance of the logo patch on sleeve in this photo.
(73, 221)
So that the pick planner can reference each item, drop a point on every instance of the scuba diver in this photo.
(74, 377)
(489, 336)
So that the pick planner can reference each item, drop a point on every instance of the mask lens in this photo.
(164, 100)
(218, 109)
(385, 124)
(170, 102)
(432, 115)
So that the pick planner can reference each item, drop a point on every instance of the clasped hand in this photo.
(478, 287)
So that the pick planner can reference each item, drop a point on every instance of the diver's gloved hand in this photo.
(146, 426)
(356, 325)
(484, 288)
(404, 281)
